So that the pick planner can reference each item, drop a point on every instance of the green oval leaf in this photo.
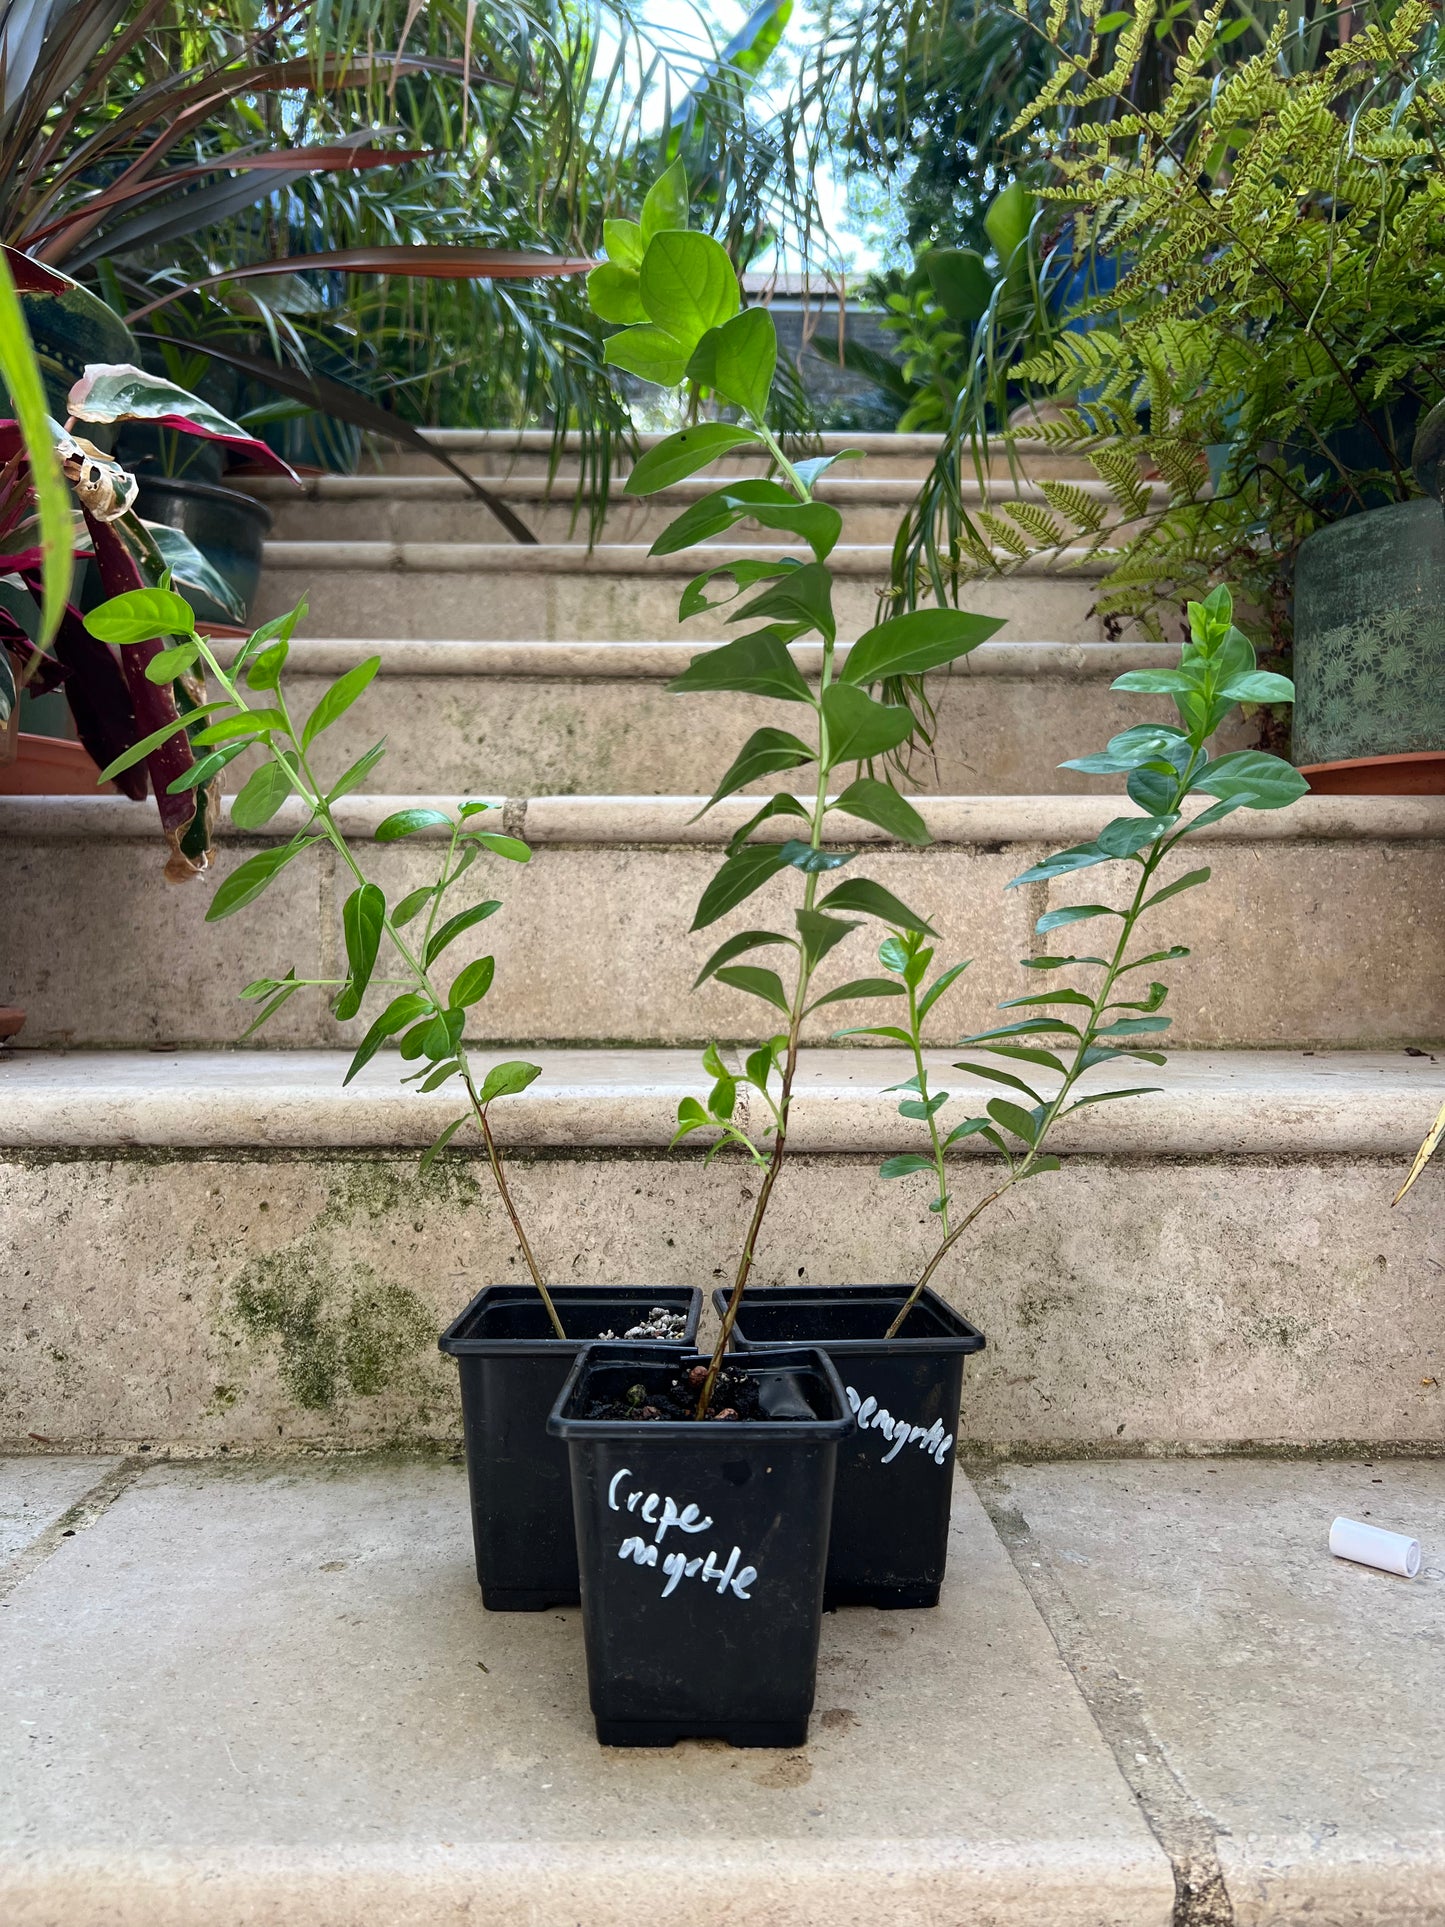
(872, 900)
(141, 615)
(615, 293)
(363, 918)
(738, 878)
(338, 699)
(472, 983)
(756, 665)
(408, 822)
(262, 794)
(912, 644)
(171, 663)
(245, 884)
(506, 1080)
(684, 453)
(688, 284)
(453, 927)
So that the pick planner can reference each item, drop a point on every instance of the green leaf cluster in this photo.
(1275, 328)
(676, 296)
(391, 947)
(1066, 1031)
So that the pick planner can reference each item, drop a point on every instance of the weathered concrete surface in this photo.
(259, 1694)
(1321, 927)
(596, 718)
(36, 1492)
(529, 451)
(512, 593)
(1208, 1104)
(1292, 1697)
(440, 508)
(1206, 1270)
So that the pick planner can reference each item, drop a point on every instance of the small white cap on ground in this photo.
(1372, 1546)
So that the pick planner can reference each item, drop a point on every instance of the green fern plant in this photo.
(1277, 325)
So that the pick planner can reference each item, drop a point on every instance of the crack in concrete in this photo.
(1182, 1828)
(80, 1517)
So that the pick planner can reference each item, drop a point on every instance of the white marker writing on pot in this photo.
(871, 1416)
(645, 1505)
(678, 1567)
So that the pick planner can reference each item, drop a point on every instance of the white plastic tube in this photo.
(1373, 1546)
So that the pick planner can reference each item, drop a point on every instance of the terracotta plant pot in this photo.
(1419, 774)
(50, 766)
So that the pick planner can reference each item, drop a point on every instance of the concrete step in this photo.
(439, 508)
(509, 592)
(530, 451)
(533, 718)
(269, 1692)
(213, 1250)
(1321, 927)
(1118, 1701)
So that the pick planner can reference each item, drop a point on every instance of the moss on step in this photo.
(336, 1331)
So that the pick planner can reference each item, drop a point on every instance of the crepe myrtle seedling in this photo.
(409, 937)
(1069, 1031)
(682, 325)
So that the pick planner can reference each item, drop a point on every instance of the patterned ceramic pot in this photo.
(1369, 636)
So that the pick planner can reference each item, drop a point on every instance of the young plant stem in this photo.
(305, 785)
(796, 1012)
(921, 1078)
(1073, 1072)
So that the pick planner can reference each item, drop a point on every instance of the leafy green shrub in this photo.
(677, 296)
(1278, 323)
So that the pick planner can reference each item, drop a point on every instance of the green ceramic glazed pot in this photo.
(1369, 636)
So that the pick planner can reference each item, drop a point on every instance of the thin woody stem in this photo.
(504, 1191)
(314, 797)
(800, 997)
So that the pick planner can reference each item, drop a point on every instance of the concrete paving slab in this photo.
(36, 1493)
(269, 1694)
(1293, 1698)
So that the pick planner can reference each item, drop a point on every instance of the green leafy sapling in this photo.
(1069, 1031)
(677, 297)
(412, 935)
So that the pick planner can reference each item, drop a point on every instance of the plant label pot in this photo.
(512, 1367)
(702, 1549)
(894, 1495)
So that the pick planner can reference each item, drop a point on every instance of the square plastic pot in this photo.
(702, 1549)
(895, 1474)
(512, 1367)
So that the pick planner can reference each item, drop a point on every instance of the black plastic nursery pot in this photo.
(895, 1474)
(702, 1548)
(512, 1366)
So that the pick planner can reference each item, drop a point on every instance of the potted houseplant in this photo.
(902, 1348)
(111, 701)
(895, 1476)
(735, 1458)
(1277, 377)
(514, 1345)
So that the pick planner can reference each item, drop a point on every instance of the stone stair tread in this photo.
(662, 660)
(1209, 1103)
(865, 559)
(319, 1724)
(265, 1691)
(674, 819)
(841, 488)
